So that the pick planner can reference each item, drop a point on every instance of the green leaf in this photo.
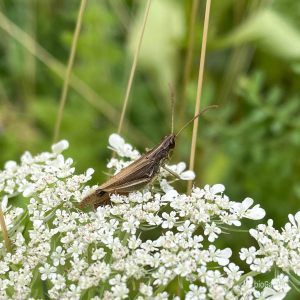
(270, 31)
(164, 31)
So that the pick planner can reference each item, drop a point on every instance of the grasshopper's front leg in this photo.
(171, 172)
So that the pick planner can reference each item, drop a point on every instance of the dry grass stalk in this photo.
(133, 67)
(199, 90)
(63, 97)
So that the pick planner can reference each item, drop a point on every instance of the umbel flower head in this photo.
(156, 243)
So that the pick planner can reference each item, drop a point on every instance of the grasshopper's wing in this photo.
(126, 187)
(133, 177)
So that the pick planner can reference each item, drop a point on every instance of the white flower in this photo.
(179, 170)
(10, 165)
(270, 294)
(47, 271)
(162, 296)
(118, 144)
(29, 190)
(295, 220)
(169, 196)
(185, 267)
(118, 279)
(233, 271)
(98, 254)
(58, 256)
(210, 192)
(89, 172)
(280, 283)
(59, 282)
(196, 293)
(248, 254)
(60, 146)
(131, 225)
(220, 256)
(217, 189)
(187, 227)
(165, 186)
(146, 290)
(212, 231)
(134, 242)
(243, 210)
(3, 267)
(137, 245)
(120, 291)
(262, 265)
(170, 219)
(162, 276)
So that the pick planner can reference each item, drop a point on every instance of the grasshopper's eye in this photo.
(172, 143)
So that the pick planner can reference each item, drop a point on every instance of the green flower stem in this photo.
(4, 232)
(252, 273)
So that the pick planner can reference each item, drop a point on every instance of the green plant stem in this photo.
(252, 274)
(4, 232)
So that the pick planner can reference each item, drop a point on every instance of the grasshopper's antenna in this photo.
(172, 95)
(195, 117)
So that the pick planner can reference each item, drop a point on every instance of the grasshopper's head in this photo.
(168, 142)
(164, 149)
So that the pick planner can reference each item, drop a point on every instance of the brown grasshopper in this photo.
(139, 173)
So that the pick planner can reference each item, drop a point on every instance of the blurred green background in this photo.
(250, 143)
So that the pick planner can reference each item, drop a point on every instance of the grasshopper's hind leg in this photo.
(95, 198)
(102, 200)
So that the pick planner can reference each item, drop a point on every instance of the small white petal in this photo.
(60, 146)
(10, 165)
(180, 167)
(247, 202)
(116, 141)
(169, 196)
(44, 277)
(292, 219)
(28, 191)
(89, 172)
(60, 160)
(217, 188)
(187, 175)
(253, 232)
(297, 217)
(37, 223)
(256, 213)
(271, 294)
(223, 256)
(4, 203)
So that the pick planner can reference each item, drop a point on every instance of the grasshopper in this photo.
(139, 173)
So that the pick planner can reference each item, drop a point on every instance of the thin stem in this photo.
(199, 89)
(63, 97)
(4, 232)
(133, 67)
(188, 59)
(243, 277)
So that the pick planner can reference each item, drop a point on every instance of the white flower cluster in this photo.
(280, 249)
(139, 247)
